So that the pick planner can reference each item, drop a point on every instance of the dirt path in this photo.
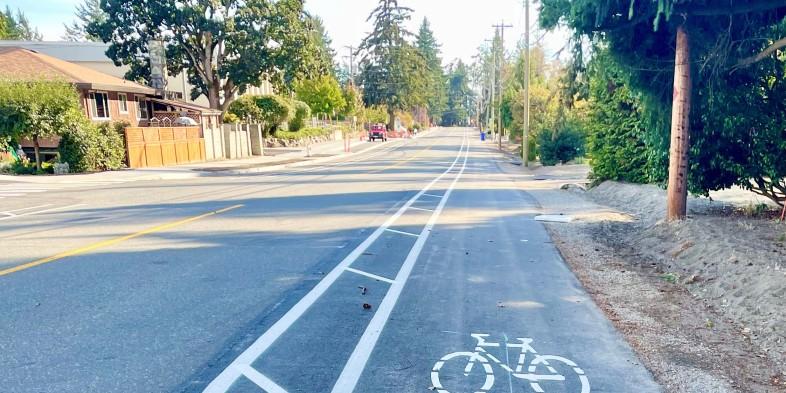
(701, 302)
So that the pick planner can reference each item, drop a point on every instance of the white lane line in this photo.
(357, 362)
(370, 275)
(223, 382)
(261, 380)
(421, 209)
(402, 232)
(432, 195)
(10, 195)
(42, 211)
(28, 208)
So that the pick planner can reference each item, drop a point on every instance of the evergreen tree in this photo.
(3, 27)
(325, 54)
(392, 69)
(435, 86)
(459, 96)
(18, 27)
(683, 54)
(88, 12)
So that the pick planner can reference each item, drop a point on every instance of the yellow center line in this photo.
(110, 242)
(403, 162)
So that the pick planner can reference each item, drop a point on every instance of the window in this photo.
(99, 105)
(122, 100)
(143, 112)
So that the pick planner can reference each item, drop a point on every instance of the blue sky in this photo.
(460, 25)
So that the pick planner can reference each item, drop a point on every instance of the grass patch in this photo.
(670, 277)
(755, 210)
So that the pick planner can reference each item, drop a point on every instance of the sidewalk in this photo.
(274, 158)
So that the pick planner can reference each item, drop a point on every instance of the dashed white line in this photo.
(402, 232)
(432, 195)
(421, 209)
(42, 211)
(357, 361)
(261, 380)
(370, 275)
(224, 381)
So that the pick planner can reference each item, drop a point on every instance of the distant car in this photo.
(184, 121)
(378, 131)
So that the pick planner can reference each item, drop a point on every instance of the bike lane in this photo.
(489, 268)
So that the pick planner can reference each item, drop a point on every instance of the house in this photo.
(93, 55)
(103, 97)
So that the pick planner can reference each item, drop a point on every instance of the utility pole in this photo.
(351, 63)
(501, 29)
(492, 82)
(525, 134)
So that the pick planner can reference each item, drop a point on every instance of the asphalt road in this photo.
(414, 267)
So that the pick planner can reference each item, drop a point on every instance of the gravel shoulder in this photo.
(701, 302)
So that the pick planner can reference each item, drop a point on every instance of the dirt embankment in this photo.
(703, 302)
(735, 263)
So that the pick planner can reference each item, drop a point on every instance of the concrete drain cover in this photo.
(554, 218)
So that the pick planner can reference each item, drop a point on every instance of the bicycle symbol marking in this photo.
(540, 372)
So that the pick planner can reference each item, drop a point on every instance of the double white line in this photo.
(357, 361)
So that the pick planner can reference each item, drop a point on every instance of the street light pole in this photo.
(351, 63)
(501, 28)
(525, 135)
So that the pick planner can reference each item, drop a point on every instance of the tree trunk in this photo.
(214, 97)
(391, 118)
(680, 130)
(37, 150)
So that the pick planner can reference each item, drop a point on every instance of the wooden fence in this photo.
(163, 146)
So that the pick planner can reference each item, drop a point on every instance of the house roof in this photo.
(24, 64)
(78, 52)
(187, 106)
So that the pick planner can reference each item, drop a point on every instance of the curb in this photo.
(305, 162)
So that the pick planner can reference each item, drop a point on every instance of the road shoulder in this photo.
(687, 344)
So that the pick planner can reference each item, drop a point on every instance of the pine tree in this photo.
(87, 12)
(18, 27)
(435, 86)
(3, 27)
(459, 96)
(321, 40)
(392, 70)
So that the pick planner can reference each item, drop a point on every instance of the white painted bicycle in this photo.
(541, 371)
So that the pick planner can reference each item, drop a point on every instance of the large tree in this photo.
(224, 47)
(677, 53)
(4, 25)
(325, 56)
(435, 86)
(460, 97)
(18, 27)
(392, 69)
(88, 12)
(323, 95)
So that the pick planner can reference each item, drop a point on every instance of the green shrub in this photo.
(111, 146)
(231, 118)
(567, 145)
(38, 109)
(304, 133)
(244, 108)
(301, 114)
(274, 111)
(616, 142)
(90, 147)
